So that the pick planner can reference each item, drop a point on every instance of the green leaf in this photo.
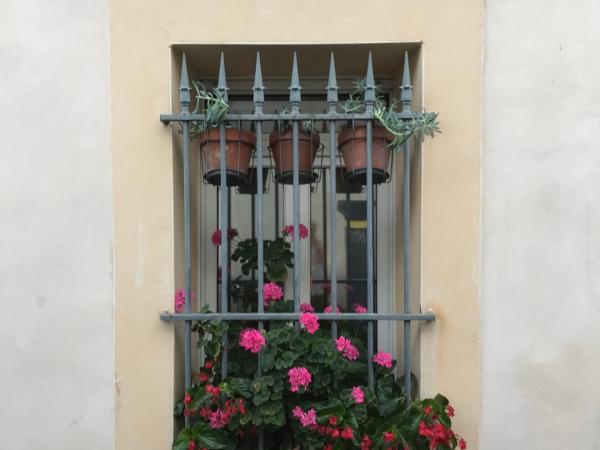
(439, 398)
(183, 438)
(211, 439)
(286, 360)
(240, 386)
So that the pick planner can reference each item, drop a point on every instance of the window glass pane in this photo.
(351, 248)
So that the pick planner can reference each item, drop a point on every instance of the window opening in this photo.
(358, 214)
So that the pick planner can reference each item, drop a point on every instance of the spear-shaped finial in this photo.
(222, 83)
(184, 88)
(406, 88)
(332, 88)
(259, 89)
(370, 86)
(295, 88)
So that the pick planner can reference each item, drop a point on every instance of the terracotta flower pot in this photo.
(353, 145)
(238, 151)
(280, 145)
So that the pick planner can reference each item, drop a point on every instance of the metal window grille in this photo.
(295, 116)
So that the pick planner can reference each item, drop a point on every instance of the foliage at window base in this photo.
(311, 394)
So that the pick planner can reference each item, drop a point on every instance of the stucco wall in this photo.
(541, 226)
(141, 33)
(56, 289)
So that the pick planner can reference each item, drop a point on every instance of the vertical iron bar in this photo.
(184, 98)
(325, 225)
(369, 102)
(222, 90)
(295, 108)
(276, 200)
(406, 265)
(259, 98)
(332, 99)
(406, 100)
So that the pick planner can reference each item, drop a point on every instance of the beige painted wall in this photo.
(56, 237)
(140, 35)
(541, 226)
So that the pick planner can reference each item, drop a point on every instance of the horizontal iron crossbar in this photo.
(167, 118)
(167, 316)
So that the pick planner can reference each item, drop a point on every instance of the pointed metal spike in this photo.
(295, 88)
(184, 87)
(406, 88)
(222, 83)
(370, 83)
(332, 88)
(406, 72)
(259, 94)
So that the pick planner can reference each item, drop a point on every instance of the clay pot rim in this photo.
(231, 135)
(360, 132)
(302, 136)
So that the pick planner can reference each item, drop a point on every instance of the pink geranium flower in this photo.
(288, 230)
(252, 340)
(179, 300)
(272, 292)
(359, 309)
(347, 433)
(219, 418)
(216, 236)
(306, 418)
(383, 359)
(306, 307)
(310, 322)
(328, 309)
(346, 348)
(358, 394)
(299, 377)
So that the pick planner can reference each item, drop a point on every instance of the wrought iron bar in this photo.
(369, 103)
(295, 99)
(184, 99)
(259, 99)
(247, 117)
(406, 100)
(224, 200)
(332, 99)
(231, 316)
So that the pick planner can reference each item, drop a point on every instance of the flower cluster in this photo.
(366, 443)
(383, 359)
(310, 385)
(310, 322)
(329, 310)
(272, 292)
(216, 238)
(436, 432)
(359, 309)
(346, 348)
(214, 391)
(221, 417)
(288, 230)
(306, 308)
(306, 418)
(299, 377)
(333, 432)
(179, 300)
(252, 340)
(358, 394)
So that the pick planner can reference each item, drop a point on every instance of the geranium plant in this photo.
(278, 255)
(311, 393)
